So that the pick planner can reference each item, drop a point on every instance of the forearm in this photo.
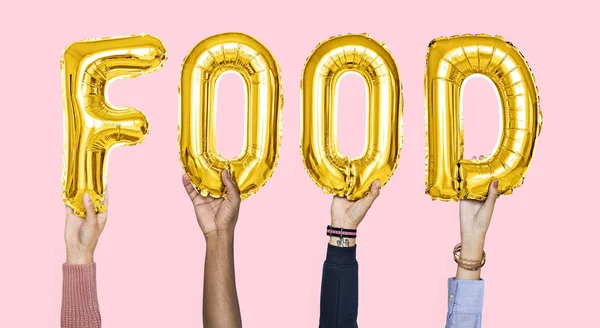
(80, 302)
(339, 288)
(220, 305)
(471, 248)
(465, 292)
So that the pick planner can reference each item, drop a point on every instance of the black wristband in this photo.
(341, 232)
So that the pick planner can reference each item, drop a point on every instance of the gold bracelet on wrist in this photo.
(468, 264)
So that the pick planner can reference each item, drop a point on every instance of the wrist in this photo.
(342, 235)
(474, 239)
(84, 258)
(472, 246)
(219, 235)
(474, 236)
(342, 242)
(345, 224)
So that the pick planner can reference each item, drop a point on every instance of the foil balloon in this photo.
(331, 170)
(200, 74)
(92, 126)
(449, 62)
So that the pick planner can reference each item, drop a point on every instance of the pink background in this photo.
(542, 245)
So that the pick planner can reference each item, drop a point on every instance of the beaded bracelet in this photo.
(467, 264)
(341, 232)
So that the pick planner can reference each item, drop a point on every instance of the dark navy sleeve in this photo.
(339, 288)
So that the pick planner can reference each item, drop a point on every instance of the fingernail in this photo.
(86, 197)
(227, 173)
(495, 183)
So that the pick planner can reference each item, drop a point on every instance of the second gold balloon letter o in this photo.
(449, 62)
(332, 171)
(264, 100)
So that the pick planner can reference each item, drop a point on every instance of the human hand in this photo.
(215, 215)
(348, 214)
(81, 234)
(475, 217)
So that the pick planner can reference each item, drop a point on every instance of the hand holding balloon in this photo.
(475, 218)
(349, 214)
(217, 218)
(82, 234)
(215, 215)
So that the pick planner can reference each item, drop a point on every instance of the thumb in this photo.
(90, 211)
(233, 193)
(369, 198)
(491, 196)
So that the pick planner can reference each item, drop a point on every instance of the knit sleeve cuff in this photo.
(79, 285)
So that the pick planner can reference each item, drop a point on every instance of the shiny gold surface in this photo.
(92, 126)
(197, 117)
(449, 62)
(332, 171)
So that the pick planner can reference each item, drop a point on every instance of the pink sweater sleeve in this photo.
(80, 303)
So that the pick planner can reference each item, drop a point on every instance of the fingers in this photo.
(69, 210)
(106, 198)
(102, 217)
(189, 188)
(71, 216)
(375, 187)
(372, 195)
(231, 188)
(481, 157)
(90, 211)
(491, 196)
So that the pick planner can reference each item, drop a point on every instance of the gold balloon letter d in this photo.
(449, 62)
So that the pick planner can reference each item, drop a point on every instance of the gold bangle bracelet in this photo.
(468, 264)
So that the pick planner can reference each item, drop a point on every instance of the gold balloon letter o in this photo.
(92, 126)
(332, 171)
(264, 100)
(449, 62)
